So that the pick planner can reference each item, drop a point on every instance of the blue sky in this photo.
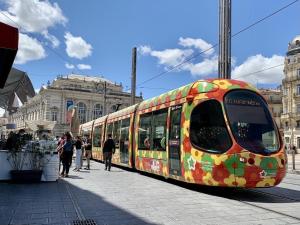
(95, 37)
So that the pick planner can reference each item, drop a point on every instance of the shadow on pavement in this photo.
(59, 203)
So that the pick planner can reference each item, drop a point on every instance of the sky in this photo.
(96, 38)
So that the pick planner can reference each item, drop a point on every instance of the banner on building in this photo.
(70, 107)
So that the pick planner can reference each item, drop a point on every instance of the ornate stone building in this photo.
(291, 94)
(274, 100)
(93, 97)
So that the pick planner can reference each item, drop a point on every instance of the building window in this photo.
(298, 123)
(81, 107)
(54, 115)
(298, 89)
(298, 108)
(287, 125)
(298, 142)
(298, 73)
(98, 111)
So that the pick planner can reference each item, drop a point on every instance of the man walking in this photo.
(108, 149)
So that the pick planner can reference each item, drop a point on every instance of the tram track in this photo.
(268, 209)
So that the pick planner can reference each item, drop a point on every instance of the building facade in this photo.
(274, 100)
(291, 95)
(92, 97)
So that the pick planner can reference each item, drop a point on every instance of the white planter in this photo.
(50, 169)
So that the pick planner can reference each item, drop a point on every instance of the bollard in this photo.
(293, 160)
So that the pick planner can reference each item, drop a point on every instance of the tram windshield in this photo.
(251, 122)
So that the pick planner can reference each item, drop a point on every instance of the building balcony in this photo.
(290, 79)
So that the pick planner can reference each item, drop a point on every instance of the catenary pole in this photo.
(133, 76)
(224, 66)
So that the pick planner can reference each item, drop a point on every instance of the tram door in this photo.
(124, 141)
(174, 141)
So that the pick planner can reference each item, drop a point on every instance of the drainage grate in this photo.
(84, 222)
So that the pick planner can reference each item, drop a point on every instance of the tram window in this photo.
(97, 136)
(251, 122)
(145, 131)
(116, 133)
(125, 129)
(208, 130)
(159, 129)
(109, 129)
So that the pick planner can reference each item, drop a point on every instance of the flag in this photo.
(17, 102)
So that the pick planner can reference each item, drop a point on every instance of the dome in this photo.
(294, 46)
(296, 39)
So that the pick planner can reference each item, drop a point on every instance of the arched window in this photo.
(98, 111)
(113, 108)
(81, 107)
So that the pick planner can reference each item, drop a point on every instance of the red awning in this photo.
(9, 38)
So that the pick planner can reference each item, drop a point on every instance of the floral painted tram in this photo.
(211, 132)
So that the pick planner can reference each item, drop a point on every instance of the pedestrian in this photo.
(67, 154)
(88, 153)
(59, 149)
(78, 145)
(108, 150)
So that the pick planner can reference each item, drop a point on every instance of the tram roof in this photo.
(122, 112)
(200, 86)
(87, 125)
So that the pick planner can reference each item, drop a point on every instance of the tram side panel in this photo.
(120, 129)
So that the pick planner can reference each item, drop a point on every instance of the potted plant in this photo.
(25, 163)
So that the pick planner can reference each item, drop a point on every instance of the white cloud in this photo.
(206, 67)
(199, 43)
(77, 47)
(37, 90)
(171, 57)
(29, 49)
(69, 66)
(144, 49)
(35, 15)
(84, 67)
(260, 63)
(54, 41)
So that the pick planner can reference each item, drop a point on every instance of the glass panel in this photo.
(116, 133)
(97, 136)
(145, 131)
(208, 129)
(251, 122)
(174, 140)
(159, 129)
(109, 129)
(124, 140)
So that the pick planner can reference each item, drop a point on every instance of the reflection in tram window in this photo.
(97, 136)
(251, 122)
(208, 128)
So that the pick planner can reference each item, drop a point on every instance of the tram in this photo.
(212, 132)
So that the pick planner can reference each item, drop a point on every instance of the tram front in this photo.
(260, 156)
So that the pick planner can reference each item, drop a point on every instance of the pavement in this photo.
(297, 163)
(131, 198)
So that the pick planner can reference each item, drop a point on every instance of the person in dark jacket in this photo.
(67, 154)
(108, 149)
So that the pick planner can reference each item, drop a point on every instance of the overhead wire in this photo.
(215, 45)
